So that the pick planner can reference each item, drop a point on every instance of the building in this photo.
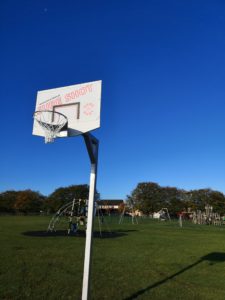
(110, 206)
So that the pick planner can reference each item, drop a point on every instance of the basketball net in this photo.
(51, 122)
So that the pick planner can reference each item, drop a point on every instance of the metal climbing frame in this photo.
(70, 210)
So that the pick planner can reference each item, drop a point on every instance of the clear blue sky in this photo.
(162, 64)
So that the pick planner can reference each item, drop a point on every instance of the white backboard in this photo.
(80, 103)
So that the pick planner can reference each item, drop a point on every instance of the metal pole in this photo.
(92, 147)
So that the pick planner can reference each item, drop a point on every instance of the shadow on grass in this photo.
(79, 233)
(214, 257)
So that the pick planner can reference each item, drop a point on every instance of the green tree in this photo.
(146, 197)
(218, 202)
(149, 197)
(28, 201)
(198, 199)
(64, 195)
(173, 199)
(7, 201)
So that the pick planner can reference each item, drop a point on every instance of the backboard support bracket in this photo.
(92, 146)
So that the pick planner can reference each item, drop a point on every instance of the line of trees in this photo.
(28, 201)
(149, 197)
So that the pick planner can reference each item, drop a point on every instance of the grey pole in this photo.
(92, 147)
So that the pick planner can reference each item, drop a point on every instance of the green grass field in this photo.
(151, 260)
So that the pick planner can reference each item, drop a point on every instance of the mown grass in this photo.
(151, 260)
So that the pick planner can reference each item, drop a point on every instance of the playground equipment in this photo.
(162, 215)
(130, 211)
(73, 216)
(180, 220)
(101, 219)
(70, 215)
(207, 217)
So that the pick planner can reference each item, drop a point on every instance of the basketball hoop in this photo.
(51, 122)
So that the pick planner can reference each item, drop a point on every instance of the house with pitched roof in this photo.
(110, 206)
